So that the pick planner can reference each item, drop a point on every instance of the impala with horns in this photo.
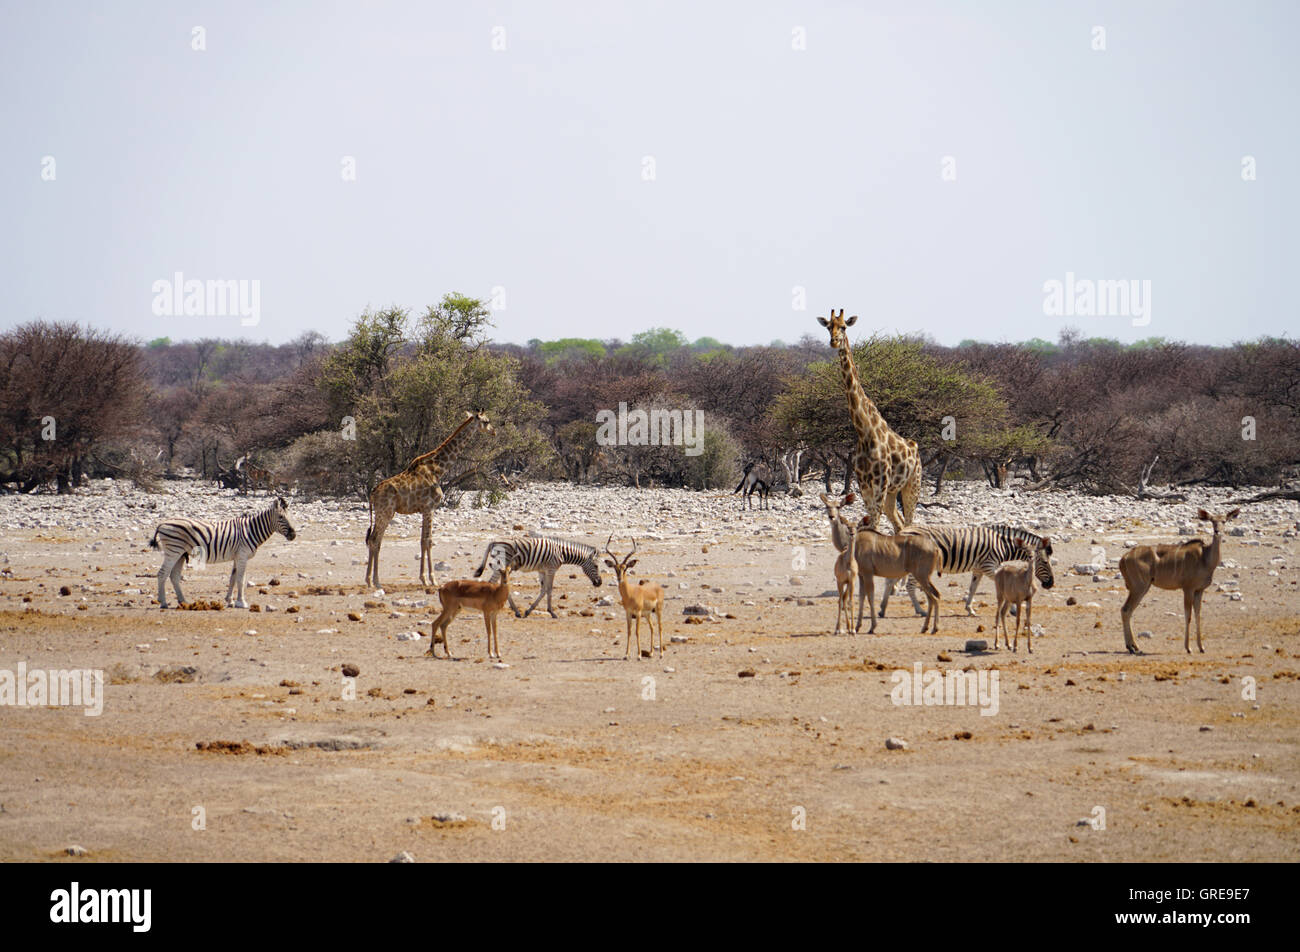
(639, 601)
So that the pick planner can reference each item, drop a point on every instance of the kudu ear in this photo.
(848, 500)
(610, 563)
(1202, 514)
(1231, 515)
(631, 562)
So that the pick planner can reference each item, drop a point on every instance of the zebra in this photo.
(980, 550)
(543, 555)
(230, 540)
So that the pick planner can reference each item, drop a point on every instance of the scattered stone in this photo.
(75, 850)
(403, 857)
(896, 743)
(351, 671)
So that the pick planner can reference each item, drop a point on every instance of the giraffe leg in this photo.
(891, 507)
(911, 494)
(374, 540)
(426, 546)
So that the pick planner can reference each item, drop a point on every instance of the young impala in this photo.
(487, 597)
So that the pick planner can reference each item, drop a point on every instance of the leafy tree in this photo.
(568, 350)
(406, 396)
(655, 346)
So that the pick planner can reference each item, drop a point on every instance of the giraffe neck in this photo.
(443, 449)
(861, 408)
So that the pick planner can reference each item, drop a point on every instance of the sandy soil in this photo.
(571, 753)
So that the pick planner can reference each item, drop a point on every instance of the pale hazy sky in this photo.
(774, 167)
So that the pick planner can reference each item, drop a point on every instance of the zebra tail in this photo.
(486, 555)
(153, 543)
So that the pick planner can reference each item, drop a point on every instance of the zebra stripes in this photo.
(541, 554)
(980, 550)
(229, 540)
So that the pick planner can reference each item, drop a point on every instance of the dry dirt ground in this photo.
(571, 753)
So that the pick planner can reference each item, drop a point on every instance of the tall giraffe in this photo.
(415, 489)
(888, 467)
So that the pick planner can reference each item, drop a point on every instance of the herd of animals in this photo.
(888, 472)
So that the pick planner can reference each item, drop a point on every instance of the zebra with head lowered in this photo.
(543, 555)
(980, 550)
(229, 540)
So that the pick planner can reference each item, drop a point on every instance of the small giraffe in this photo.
(415, 489)
(888, 467)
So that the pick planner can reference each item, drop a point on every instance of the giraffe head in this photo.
(838, 327)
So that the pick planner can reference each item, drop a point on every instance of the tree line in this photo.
(334, 418)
